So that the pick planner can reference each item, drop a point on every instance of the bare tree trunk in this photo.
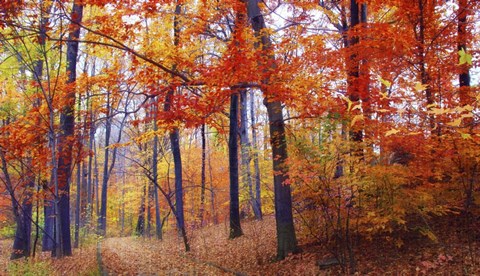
(202, 176)
(175, 145)
(235, 227)
(286, 238)
(140, 229)
(77, 209)
(158, 221)
(212, 192)
(102, 218)
(65, 142)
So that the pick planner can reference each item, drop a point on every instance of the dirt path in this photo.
(135, 256)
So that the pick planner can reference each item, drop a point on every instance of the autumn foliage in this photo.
(368, 111)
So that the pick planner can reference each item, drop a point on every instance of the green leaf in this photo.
(466, 136)
(464, 57)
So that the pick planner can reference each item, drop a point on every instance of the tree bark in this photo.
(286, 238)
(235, 227)
(203, 174)
(65, 142)
(175, 143)
(158, 221)
(102, 218)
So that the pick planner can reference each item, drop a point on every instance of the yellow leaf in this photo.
(455, 123)
(358, 106)
(384, 95)
(385, 82)
(356, 118)
(439, 111)
(392, 132)
(420, 87)
(349, 102)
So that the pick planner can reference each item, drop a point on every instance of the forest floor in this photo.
(212, 253)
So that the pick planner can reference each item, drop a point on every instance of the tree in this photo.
(63, 246)
(235, 227)
(286, 239)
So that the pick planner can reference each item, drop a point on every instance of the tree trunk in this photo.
(235, 227)
(464, 76)
(140, 229)
(202, 175)
(65, 141)
(246, 154)
(286, 238)
(158, 221)
(353, 72)
(77, 209)
(102, 217)
(91, 137)
(175, 144)
(22, 213)
(256, 163)
(422, 63)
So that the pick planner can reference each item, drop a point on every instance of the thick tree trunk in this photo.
(65, 142)
(235, 227)
(286, 238)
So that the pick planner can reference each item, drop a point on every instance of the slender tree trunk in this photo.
(158, 221)
(464, 76)
(353, 71)
(91, 143)
(286, 238)
(202, 175)
(102, 218)
(422, 63)
(235, 227)
(122, 206)
(96, 181)
(256, 163)
(212, 191)
(77, 209)
(140, 229)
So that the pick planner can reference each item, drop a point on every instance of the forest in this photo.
(245, 137)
